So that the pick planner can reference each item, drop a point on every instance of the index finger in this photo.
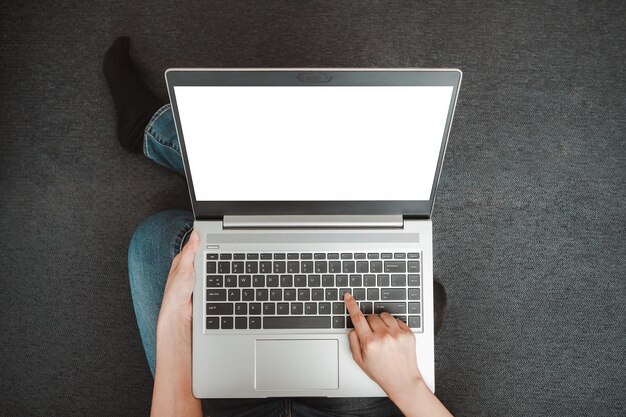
(358, 319)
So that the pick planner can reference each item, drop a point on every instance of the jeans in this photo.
(153, 246)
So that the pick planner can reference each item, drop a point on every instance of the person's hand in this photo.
(384, 348)
(172, 395)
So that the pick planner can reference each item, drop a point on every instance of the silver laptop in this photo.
(305, 184)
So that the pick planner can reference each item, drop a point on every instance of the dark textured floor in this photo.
(529, 224)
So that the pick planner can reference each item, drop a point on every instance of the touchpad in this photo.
(292, 365)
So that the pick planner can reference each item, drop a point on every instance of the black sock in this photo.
(134, 102)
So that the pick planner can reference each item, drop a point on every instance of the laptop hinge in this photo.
(318, 221)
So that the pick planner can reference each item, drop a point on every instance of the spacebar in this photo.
(304, 322)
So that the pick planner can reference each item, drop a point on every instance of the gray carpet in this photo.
(529, 224)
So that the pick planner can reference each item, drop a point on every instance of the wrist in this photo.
(406, 397)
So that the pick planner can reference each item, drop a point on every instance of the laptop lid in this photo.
(312, 141)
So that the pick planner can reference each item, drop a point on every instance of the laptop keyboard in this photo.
(304, 290)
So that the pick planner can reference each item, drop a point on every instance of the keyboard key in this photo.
(261, 295)
(211, 267)
(212, 322)
(215, 281)
(398, 280)
(296, 308)
(306, 256)
(359, 294)
(399, 256)
(342, 291)
(333, 256)
(414, 280)
(393, 294)
(339, 307)
(245, 280)
(293, 256)
(413, 255)
(328, 281)
(280, 267)
(241, 322)
(299, 281)
(334, 267)
(226, 256)
(258, 281)
(276, 294)
(356, 280)
(373, 294)
(324, 308)
(349, 324)
(366, 308)
(215, 295)
(219, 309)
(286, 280)
(241, 309)
(373, 256)
(269, 308)
(414, 308)
(272, 281)
(342, 281)
(239, 256)
(252, 267)
(414, 266)
(359, 255)
(391, 308)
(234, 294)
(310, 308)
(230, 281)
(223, 267)
(403, 318)
(414, 293)
(415, 322)
(265, 267)
(319, 256)
(279, 256)
(247, 294)
(252, 256)
(348, 267)
(314, 281)
(386, 255)
(293, 267)
(290, 294)
(376, 267)
(227, 323)
(321, 267)
(383, 280)
(331, 294)
(282, 308)
(339, 322)
(211, 256)
(306, 267)
(304, 322)
(346, 256)
(317, 294)
(395, 266)
(255, 308)
(255, 322)
(362, 267)
(304, 294)
(369, 280)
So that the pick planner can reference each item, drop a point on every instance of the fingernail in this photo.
(347, 295)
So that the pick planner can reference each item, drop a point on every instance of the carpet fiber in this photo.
(529, 223)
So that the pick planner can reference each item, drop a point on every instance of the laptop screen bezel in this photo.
(312, 77)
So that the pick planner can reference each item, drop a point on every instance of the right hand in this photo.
(384, 348)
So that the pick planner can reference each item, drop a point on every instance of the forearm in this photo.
(419, 401)
(172, 394)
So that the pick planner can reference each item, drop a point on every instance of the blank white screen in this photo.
(312, 143)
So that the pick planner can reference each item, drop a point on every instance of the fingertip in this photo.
(347, 296)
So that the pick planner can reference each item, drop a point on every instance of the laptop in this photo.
(305, 184)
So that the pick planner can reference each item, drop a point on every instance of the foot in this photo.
(441, 302)
(134, 102)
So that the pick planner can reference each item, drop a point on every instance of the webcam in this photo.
(314, 77)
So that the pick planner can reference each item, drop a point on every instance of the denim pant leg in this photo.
(160, 141)
(153, 246)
